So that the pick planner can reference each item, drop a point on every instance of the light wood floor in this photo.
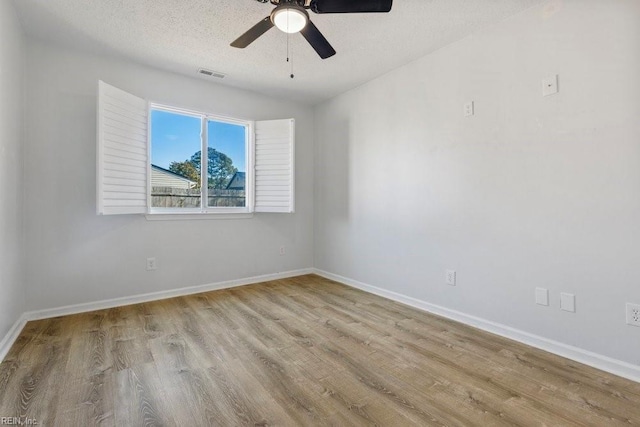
(301, 351)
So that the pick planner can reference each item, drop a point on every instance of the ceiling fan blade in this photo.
(317, 40)
(254, 32)
(350, 6)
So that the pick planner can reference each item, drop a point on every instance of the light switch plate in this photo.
(542, 296)
(550, 85)
(568, 302)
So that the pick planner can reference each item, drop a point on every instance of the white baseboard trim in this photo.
(155, 296)
(598, 361)
(12, 336)
(13, 333)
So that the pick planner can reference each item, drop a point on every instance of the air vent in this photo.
(210, 73)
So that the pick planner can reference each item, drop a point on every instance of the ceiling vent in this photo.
(210, 73)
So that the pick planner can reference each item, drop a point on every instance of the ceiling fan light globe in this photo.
(289, 20)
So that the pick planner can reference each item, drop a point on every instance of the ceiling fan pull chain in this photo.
(289, 51)
(291, 61)
(287, 38)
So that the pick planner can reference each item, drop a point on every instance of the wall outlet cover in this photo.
(633, 314)
(568, 302)
(542, 296)
(451, 277)
(468, 109)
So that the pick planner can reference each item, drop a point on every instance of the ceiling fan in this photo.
(291, 16)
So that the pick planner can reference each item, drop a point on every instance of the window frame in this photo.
(123, 160)
(204, 210)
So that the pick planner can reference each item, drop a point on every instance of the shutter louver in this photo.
(122, 152)
(274, 166)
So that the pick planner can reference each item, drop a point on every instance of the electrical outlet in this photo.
(468, 109)
(282, 250)
(633, 314)
(451, 277)
(151, 264)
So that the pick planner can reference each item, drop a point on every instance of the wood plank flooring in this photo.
(295, 352)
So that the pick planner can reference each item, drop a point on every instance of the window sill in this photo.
(188, 216)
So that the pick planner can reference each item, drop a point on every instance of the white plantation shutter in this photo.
(274, 165)
(122, 152)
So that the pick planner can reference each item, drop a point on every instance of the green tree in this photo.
(186, 169)
(220, 169)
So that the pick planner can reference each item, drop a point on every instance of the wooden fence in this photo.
(171, 197)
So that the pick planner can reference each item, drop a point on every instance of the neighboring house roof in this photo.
(237, 181)
(161, 177)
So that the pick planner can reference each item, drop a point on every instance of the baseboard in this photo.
(604, 363)
(12, 336)
(154, 296)
(15, 330)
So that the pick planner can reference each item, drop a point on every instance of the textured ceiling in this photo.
(185, 35)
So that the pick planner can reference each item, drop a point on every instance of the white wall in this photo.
(73, 255)
(12, 293)
(531, 191)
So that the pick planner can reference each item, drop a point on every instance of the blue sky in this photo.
(175, 138)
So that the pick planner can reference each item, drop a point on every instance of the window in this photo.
(178, 141)
(175, 176)
(150, 160)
